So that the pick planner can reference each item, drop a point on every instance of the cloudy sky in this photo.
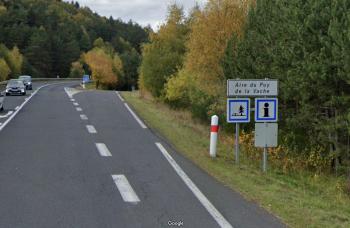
(144, 12)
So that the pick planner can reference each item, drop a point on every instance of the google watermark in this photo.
(175, 223)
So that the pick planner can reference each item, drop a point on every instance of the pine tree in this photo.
(38, 53)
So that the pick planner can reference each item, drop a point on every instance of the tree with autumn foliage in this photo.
(105, 65)
(11, 62)
(211, 29)
(77, 70)
(163, 55)
(4, 70)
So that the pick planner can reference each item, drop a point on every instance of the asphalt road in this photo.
(72, 158)
(13, 102)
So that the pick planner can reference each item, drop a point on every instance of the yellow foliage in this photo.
(117, 66)
(16, 60)
(101, 66)
(4, 70)
(211, 30)
(163, 55)
(3, 9)
(177, 87)
(76, 70)
(282, 157)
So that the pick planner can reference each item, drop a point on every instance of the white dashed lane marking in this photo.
(71, 92)
(83, 117)
(103, 150)
(91, 129)
(126, 191)
(79, 109)
(75, 104)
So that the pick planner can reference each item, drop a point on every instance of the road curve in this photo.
(74, 158)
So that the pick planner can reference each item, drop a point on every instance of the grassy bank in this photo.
(299, 199)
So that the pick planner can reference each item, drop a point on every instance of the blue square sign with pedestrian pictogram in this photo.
(266, 109)
(238, 110)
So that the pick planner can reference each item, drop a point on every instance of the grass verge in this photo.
(299, 199)
(91, 85)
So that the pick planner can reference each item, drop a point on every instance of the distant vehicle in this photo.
(15, 86)
(1, 101)
(27, 80)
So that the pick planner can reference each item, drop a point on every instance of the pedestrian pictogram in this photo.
(266, 109)
(238, 110)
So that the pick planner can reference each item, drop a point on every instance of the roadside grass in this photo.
(299, 199)
(91, 85)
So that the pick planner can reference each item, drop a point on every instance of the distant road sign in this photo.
(251, 87)
(266, 110)
(238, 110)
(86, 78)
(266, 135)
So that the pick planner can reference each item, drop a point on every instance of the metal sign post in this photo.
(265, 137)
(266, 111)
(238, 111)
(265, 160)
(237, 145)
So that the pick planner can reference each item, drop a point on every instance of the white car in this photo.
(15, 86)
(1, 101)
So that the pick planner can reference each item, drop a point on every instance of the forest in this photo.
(303, 44)
(50, 38)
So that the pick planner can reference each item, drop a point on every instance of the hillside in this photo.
(51, 34)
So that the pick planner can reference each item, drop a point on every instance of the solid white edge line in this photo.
(135, 116)
(103, 150)
(120, 97)
(24, 103)
(126, 191)
(91, 129)
(195, 190)
(84, 117)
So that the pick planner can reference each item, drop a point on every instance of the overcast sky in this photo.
(144, 12)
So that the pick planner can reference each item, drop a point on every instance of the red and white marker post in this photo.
(214, 135)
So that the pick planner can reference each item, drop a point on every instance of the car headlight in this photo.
(22, 90)
(7, 90)
(29, 83)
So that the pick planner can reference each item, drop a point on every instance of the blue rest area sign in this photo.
(86, 78)
(238, 110)
(266, 110)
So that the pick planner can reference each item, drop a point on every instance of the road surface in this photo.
(72, 158)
